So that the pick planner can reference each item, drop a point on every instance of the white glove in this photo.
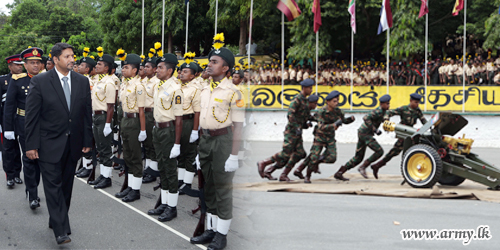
(142, 135)
(194, 136)
(231, 163)
(107, 129)
(1, 129)
(197, 160)
(9, 135)
(176, 151)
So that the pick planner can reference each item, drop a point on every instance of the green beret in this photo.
(107, 58)
(132, 59)
(225, 54)
(198, 68)
(168, 58)
(151, 60)
(88, 60)
(191, 65)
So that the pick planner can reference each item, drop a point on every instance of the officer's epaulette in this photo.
(19, 76)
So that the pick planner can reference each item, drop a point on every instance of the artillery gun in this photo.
(431, 154)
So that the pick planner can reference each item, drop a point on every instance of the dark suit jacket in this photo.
(49, 122)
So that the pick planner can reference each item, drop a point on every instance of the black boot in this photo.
(219, 242)
(123, 193)
(133, 195)
(84, 174)
(339, 174)
(104, 183)
(261, 165)
(377, 166)
(96, 181)
(204, 238)
(268, 173)
(284, 174)
(307, 179)
(362, 168)
(159, 210)
(298, 171)
(168, 214)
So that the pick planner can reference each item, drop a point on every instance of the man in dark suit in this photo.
(58, 131)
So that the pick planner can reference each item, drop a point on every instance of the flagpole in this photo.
(317, 43)
(465, 51)
(352, 64)
(248, 51)
(187, 26)
(282, 56)
(216, 11)
(387, 59)
(163, 26)
(142, 47)
(426, 56)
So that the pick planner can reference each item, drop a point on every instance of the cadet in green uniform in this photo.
(133, 126)
(168, 100)
(150, 82)
(293, 148)
(191, 122)
(330, 117)
(409, 115)
(370, 125)
(103, 106)
(221, 121)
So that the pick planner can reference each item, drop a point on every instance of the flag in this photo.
(385, 17)
(135, 1)
(289, 8)
(316, 9)
(424, 8)
(352, 11)
(499, 11)
(459, 5)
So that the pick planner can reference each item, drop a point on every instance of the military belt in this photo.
(21, 112)
(148, 109)
(130, 115)
(164, 124)
(188, 117)
(99, 112)
(216, 132)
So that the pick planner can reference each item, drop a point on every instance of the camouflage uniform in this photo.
(324, 136)
(365, 138)
(293, 148)
(409, 117)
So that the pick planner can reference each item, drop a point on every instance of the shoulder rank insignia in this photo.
(178, 99)
(19, 76)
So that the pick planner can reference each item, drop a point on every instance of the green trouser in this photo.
(398, 147)
(132, 151)
(188, 150)
(163, 140)
(214, 151)
(148, 143)
(293, 151)
(330, 154)
(102, 143)
(364, 141)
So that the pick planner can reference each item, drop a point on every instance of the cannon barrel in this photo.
(402, 131)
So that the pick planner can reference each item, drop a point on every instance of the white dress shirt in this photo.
(61, 77)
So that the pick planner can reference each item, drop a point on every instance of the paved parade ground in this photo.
(262, 220)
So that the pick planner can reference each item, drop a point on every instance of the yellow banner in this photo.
(437, 98)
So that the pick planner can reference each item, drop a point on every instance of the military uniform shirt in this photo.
(149, 85)
(191, 98)
(168, 100)
(132, 95)
(298, 112)
(408, 115)
(372, 121)
(15, 99)
(221, 106)
(103, 93)
(326, 119)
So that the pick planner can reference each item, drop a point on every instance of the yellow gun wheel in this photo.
(421, 166)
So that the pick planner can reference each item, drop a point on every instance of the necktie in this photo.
(67, 92)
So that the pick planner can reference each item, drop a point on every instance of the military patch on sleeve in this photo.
(178, 99)
(139, 92)
(240, 103)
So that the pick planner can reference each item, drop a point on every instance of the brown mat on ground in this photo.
(386, 185)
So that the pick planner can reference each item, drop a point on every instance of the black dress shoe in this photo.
(84, 174)
(18, 180)
(34, 204)
(11, 183)
(97, 180)
(204, 238)
(117, 167)
(123, 193)
(186, 186)
(148, 179)
(63, 239)
(169, 214)
(219, 242)
(159, 210)
(132, 196)
(104, 183)
(79, 170)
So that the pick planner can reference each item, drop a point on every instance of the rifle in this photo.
(94, 162)
(202, 207)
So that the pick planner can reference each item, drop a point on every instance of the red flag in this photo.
(459, 5)
(289, 8)
(317, 15)
(424, 9)
(135, 1)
